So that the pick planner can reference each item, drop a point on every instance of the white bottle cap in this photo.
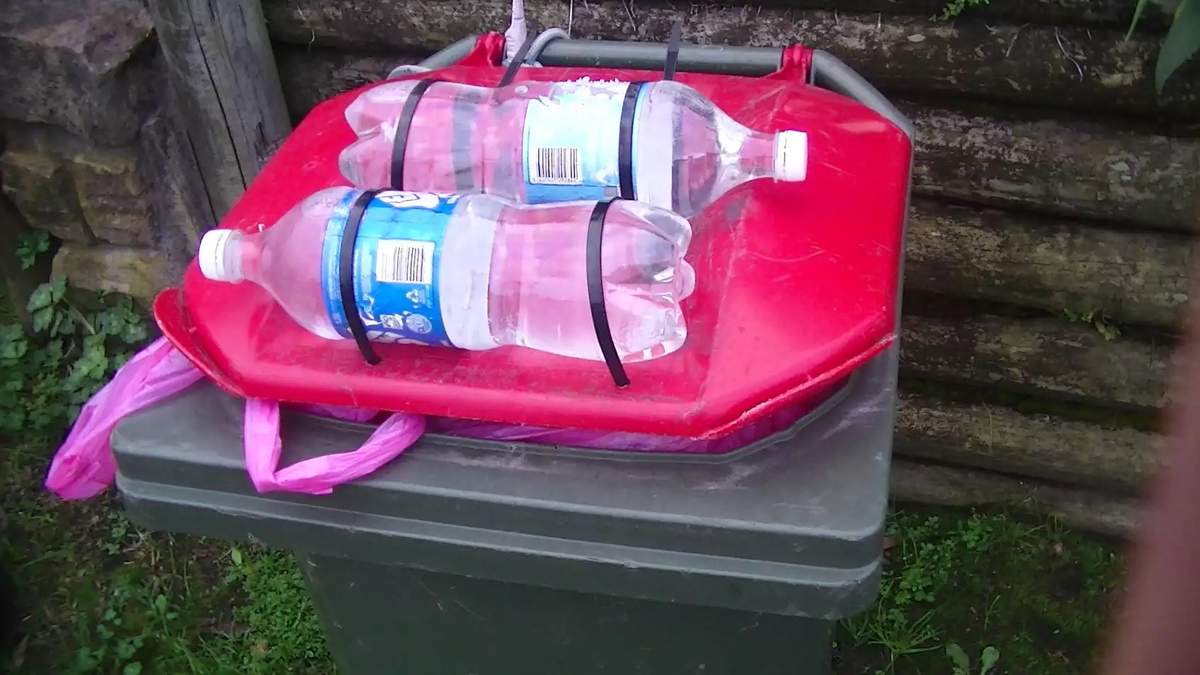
(212, 256)
(791, 155)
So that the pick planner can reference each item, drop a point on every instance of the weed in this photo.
(961, 663)
(896, 633)
(955, 8)
(98, 594)
(1098, 320)
(31, 246)
(90, 583)
(45, 378)
(284, 632)
(986, 583)
(1182, 40)
(119, 527)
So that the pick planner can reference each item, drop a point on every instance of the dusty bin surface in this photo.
(468, 556)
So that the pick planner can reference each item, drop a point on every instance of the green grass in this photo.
(96, 594)
(100, 595)
(1034, 592)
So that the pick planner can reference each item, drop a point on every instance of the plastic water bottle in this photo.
(538, 142)
(473, 272)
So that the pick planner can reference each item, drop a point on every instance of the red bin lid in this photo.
(796, 285)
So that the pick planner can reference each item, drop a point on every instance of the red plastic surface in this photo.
(796, 285)
(797, 61)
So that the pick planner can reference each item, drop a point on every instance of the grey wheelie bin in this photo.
(484, 557)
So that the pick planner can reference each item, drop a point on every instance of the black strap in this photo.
(595, 283)
(346, 276)
(625, 141)
(402, 126)
(629, 109)
(673, 50)
(517, 60)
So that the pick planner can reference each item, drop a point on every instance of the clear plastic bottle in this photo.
(474, 272)
(538, 142)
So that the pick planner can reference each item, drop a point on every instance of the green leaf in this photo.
(85, 662)
(959, 658)
(1168, 7)
(111, 322)
(42, 296)
(12, 420)
(93, 344)
(134, 668)
(1182, 41)
(66, 324)
(125, 651)
(42, 318)
(1106, 329)
(134, 333)
(160, 603)
(10, 331)
(236, 555)
(51, 355)
(30, 246)
(988, 659)
(58, 288)
(1137, 16)
(13, 344)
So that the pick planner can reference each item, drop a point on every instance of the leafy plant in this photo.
(1098, 320)
(965, 579)
(139, 628)
(988, 659)
(961, 663)
(30, 246)
(954, 8)
(1182, 40)
(120, 634)
(118, 531)
(47, 376)
(285, 633)
(893, 630)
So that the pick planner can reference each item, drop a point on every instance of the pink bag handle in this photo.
(83, 466)
(319, 475)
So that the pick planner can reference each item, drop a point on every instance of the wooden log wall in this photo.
(1050, 182)
(224, 75)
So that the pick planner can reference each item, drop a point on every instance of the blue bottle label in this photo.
(571, 142)
(397, 257)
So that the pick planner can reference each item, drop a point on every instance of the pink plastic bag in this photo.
(83, 467)
(263, 448)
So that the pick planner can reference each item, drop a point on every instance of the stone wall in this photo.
(89, 153)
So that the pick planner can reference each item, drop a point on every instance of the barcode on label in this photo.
(403, 261)
(557, 166)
